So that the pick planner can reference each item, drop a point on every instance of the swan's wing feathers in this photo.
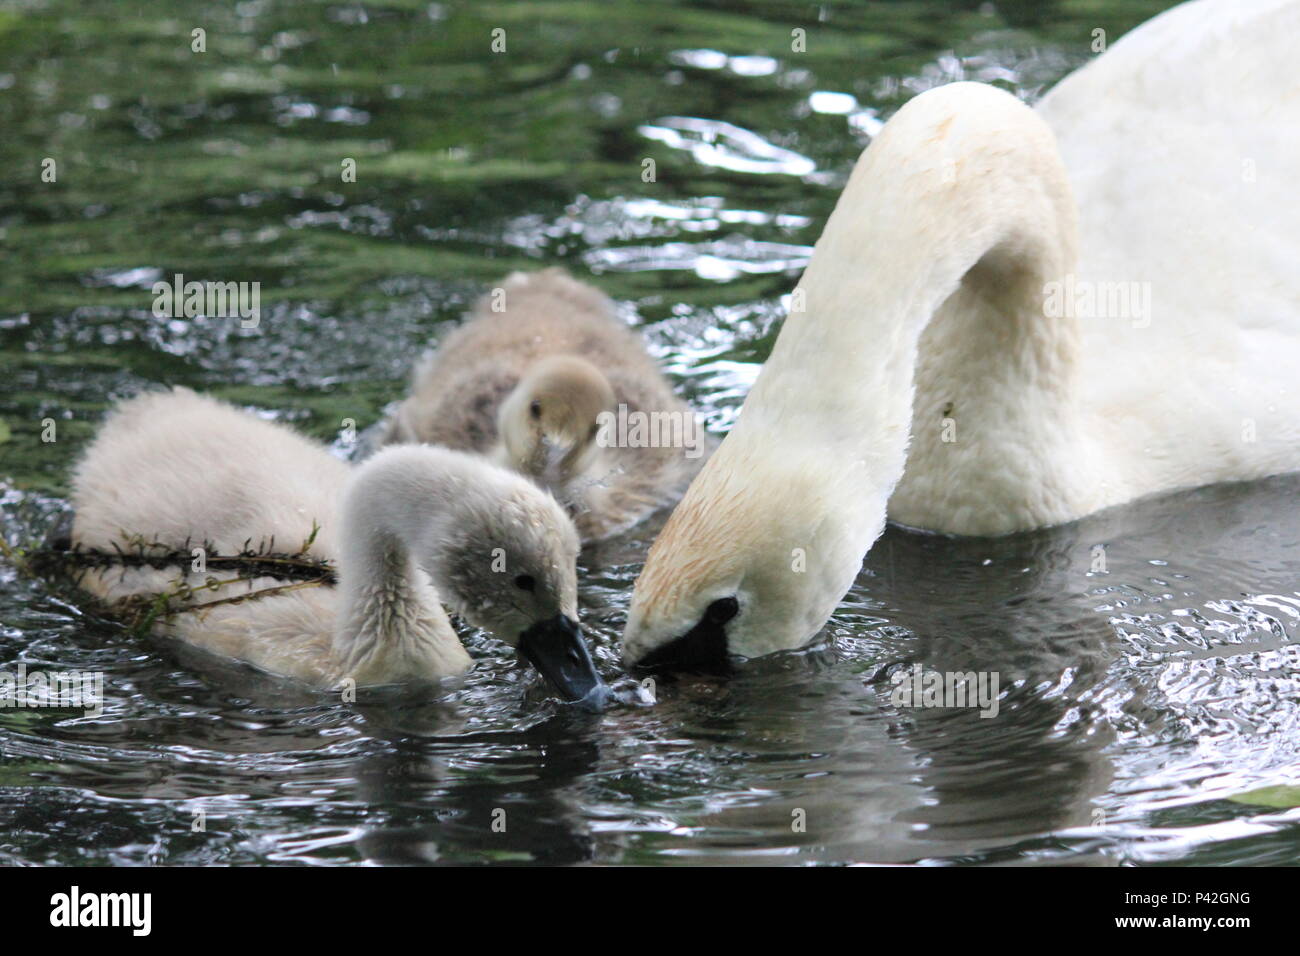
(1182, 146)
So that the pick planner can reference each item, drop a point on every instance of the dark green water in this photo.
(1137, 702)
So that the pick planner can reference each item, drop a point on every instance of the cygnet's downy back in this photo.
(547, 379)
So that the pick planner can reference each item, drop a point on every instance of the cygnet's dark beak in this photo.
(555, 647)
(559, 455)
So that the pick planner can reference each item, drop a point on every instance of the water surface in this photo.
(1140, 701)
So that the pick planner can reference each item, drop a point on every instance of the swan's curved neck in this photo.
(927, 284)
(391, 624)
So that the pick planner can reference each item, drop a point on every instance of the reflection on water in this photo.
(1133, 703)
(1145, 658)
(715, 143)
(1099, 728)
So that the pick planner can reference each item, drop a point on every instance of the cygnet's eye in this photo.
(535, 408)
(525, 582)
(722, 610)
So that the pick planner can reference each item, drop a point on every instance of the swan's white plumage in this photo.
(923, 375)
(181, 470)
(1179, 145)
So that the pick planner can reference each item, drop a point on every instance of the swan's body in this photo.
(930, 374)
(176, 470)
(531, 380)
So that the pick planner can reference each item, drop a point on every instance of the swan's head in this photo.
(748, 563)
(548, 424)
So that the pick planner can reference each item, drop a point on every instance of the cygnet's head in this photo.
(549, 423)
(507, 562)
(500, 551)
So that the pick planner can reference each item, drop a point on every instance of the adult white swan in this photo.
(411, 528)
(1012, 319)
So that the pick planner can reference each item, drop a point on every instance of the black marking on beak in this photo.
(702, 650)
(556, 648)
